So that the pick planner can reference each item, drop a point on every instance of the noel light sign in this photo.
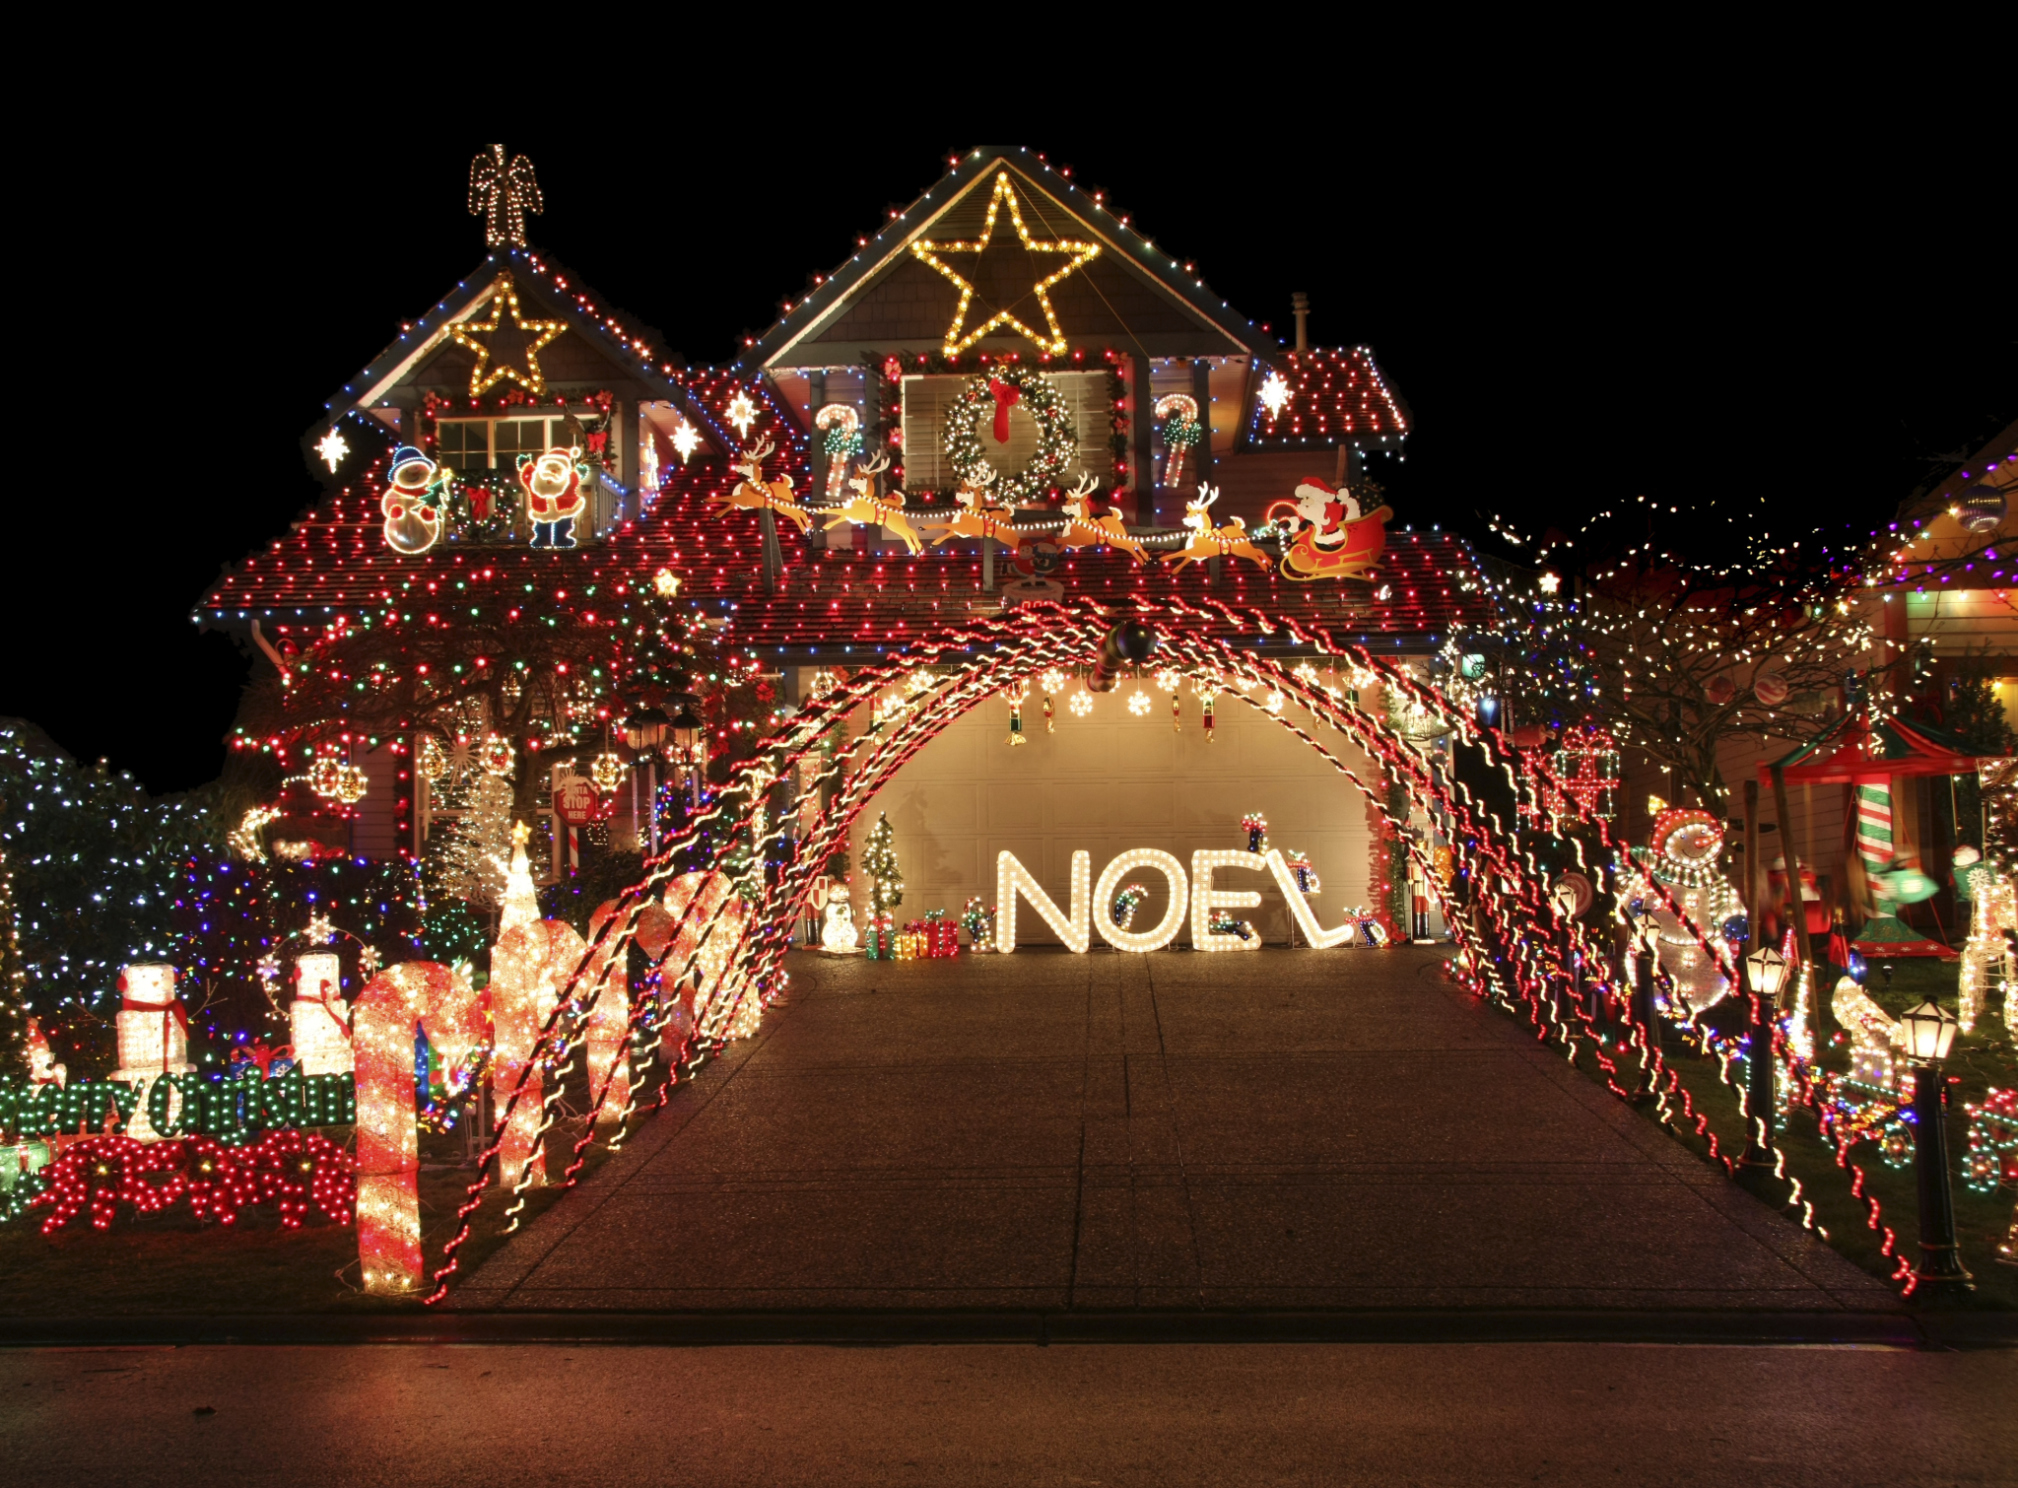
(1192, 895)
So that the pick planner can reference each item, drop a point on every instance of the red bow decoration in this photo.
(262, 1056)
(1006, 397)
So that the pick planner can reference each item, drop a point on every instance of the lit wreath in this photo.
(1057, 439)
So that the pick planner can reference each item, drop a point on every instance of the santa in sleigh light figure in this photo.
(1334, 538)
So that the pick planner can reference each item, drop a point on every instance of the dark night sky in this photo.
(1578, 312)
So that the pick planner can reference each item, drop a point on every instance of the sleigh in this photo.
(1365, 540)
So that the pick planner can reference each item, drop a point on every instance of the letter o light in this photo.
(1173, 917)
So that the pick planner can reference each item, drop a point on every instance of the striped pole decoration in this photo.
(1874, 824)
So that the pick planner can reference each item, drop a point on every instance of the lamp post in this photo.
(1928, 1032)
(1766, 971)
(1564, 898)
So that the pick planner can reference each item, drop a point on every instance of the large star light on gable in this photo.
(332, 447)
(1077, 253)
(522, 340)
(742, 413)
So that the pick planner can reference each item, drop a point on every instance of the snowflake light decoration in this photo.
(1169, 679)
(1274, 394)
(320, 931)
(1082, 703)
(1273, 702)
(1139, 703)
(1052, 681)
(742, 413)
(368, 960)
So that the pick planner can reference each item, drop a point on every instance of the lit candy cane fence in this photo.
(723, 962)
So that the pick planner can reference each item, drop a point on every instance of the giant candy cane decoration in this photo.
(849, 422)
(396, 1002)
(528, 968)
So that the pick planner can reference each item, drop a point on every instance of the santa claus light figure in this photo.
(1337, 538)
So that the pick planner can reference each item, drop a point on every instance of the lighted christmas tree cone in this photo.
(318, 1019)
(416, 996)
(529, 966)
(153, 1039)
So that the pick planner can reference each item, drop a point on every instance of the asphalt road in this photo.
(1469, 1414)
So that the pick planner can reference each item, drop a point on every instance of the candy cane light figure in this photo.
(415, 995)
(608, 1035)
(713, 922)
(529, 965)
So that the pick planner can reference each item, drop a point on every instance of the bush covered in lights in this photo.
(94, 865)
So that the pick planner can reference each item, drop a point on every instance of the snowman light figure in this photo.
(837, 934)
(411, 504)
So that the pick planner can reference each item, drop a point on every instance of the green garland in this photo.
(1057, 439)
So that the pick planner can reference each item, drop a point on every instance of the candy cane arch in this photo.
(416, 996)
(724, 940)
(530, 967)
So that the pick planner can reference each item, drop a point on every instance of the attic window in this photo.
(475, 444)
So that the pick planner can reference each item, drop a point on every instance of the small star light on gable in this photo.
(332, 447)
(666, 582)
(1550, 583)
(1274, 394)
(502, 191)
(742, 413)
(686, 439)
(319, 931)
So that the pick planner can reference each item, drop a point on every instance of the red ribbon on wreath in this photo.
(1006, 396)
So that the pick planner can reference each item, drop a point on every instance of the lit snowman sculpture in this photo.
(318, 1019)
(837, 933)
(153, 1040)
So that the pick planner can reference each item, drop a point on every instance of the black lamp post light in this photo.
(1928, 1033)
(1765, 972)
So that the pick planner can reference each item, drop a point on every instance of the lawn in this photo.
(170, 1264)
(1982, 1059)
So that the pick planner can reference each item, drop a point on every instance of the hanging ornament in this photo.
(1082, 703)
(1980, 509)
(351, 784)
(606, 771)
(1176, 712)
(431, 759)
(325, 776)
(1050, 721)
(496, 755)
(1139, 704)
(1016, 696)
(823, 683)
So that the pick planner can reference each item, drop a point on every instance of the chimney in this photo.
(1299, 303)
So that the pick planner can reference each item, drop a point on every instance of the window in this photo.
(477, 444)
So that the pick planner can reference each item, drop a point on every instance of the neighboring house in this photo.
(1002, 272)
(1950, 610)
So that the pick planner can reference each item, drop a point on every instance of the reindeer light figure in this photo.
(1206, 542)
(1084, 530)
(978, 517)
(870, 510)
(754, 493)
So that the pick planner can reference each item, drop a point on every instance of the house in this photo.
(910, 444)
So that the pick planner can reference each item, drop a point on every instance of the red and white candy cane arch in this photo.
(741, 943)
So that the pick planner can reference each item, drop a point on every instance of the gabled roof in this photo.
(1858, 747)
(1132, 296)
(634, 349)
(334, 559)
(1330, 397)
